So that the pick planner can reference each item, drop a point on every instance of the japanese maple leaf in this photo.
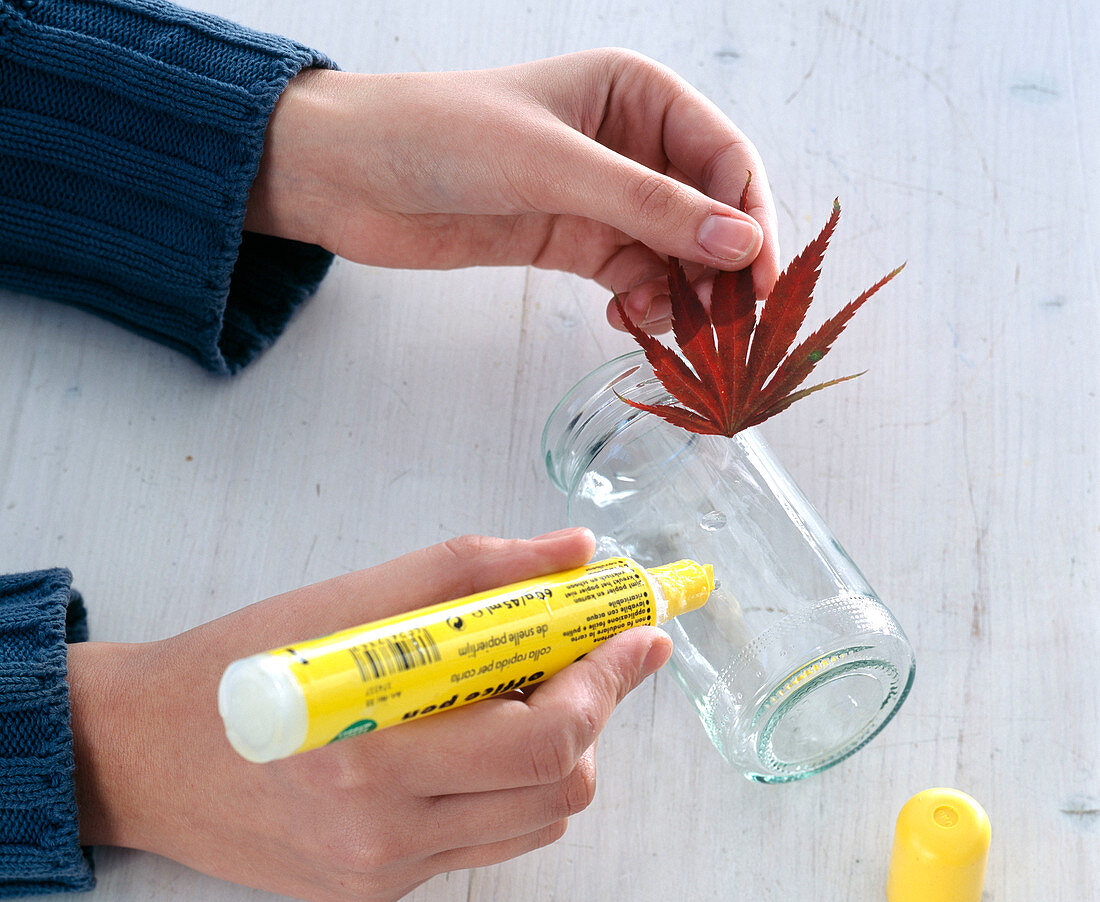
(738, 368)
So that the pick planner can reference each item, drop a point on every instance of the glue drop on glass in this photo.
(293, 699)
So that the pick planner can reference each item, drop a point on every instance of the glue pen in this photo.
(293, 699)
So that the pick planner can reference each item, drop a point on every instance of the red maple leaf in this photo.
(738, 368)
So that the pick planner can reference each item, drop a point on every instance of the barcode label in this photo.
(395, 654)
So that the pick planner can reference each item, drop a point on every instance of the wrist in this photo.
(291, 196)
(104, 685)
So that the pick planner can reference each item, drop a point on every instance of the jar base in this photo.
(778, 718)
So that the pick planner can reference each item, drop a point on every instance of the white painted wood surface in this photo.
(401, 408)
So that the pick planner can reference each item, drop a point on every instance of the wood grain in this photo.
(960, 472)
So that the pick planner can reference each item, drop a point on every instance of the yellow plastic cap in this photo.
(686, 584)
(941, 843)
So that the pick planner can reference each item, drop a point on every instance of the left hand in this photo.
(597, 163)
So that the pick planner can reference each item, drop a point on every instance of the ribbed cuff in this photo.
(130, 134)
(40, 850)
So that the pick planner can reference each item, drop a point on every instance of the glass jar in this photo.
(794, 663)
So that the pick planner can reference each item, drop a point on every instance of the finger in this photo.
(706, 149)
(478, 818)
(658, 313)
(648, 304)
(640, 279)
(700, 145)
(506, 743)
(655, 304)
(469, 564)
(493, 853)
(761, 206)
(442, 572)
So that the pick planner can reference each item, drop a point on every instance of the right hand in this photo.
(367, 818)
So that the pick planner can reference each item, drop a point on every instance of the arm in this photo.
(597, 163)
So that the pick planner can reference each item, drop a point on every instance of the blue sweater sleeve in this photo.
(39, 846)
(130, 134)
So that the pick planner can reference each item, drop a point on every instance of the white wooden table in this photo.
(960, 472)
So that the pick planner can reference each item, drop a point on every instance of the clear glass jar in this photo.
(794, 663)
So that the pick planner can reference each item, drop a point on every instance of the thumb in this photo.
(657, 210)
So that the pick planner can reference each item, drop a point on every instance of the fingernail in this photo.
(729, 238)
(561, 533)
(657, 656)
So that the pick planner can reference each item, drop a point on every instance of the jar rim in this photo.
(592, 410)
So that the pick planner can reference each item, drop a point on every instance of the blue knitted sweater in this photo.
(39, 847)
(130, 133)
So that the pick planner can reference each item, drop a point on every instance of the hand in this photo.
(595, 163)
(367, 818)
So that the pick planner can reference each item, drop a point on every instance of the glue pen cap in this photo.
(941, 843)
(263, 708)
(686, 584)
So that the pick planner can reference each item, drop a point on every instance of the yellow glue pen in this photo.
(293, 699)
